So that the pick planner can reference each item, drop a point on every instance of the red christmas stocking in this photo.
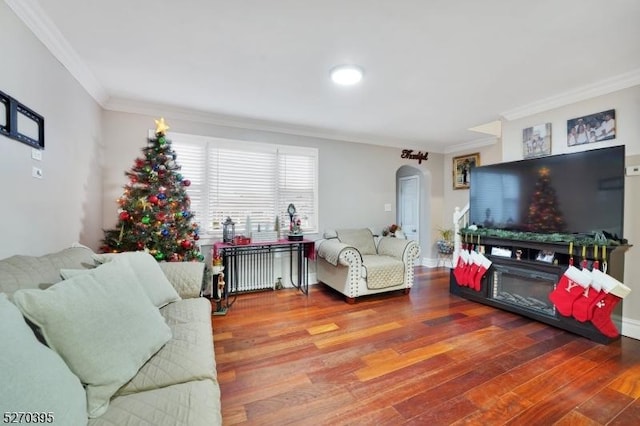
(582, 308)
(482, 269)
(569, 288)
(596, 293)
(474, 263)
(614, 291)
(602, 315)
(460, 268)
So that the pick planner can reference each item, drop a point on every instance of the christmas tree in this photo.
(544, 213)
(153, 213)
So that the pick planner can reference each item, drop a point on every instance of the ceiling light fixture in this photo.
(346, 75)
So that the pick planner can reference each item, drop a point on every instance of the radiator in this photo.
(253, 270)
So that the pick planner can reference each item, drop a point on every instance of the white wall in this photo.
(355, 180)
(627, 105)
(40, 216)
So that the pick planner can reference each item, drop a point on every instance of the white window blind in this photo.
(243, 179)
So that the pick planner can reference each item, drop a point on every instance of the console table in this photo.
(531, 280)
(250, 267)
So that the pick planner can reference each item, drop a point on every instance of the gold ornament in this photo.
(144, 204)
(161, 126)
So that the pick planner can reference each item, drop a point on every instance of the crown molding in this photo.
(45, 30)
(474, 144)
(603, 87)
(192, 115)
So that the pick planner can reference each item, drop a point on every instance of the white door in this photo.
(409, 206)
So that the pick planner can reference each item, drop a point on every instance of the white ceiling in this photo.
(433, 68)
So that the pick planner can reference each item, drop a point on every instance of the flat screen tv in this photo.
(580, 193)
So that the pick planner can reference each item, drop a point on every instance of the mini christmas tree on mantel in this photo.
(154, 211)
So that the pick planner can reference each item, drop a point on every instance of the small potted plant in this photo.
(445, 243)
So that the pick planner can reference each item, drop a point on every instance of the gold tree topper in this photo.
(161, 126)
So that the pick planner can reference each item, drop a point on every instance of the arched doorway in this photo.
(413, 189)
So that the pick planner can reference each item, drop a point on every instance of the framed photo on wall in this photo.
(592, 128)
(536, 141)
(462, 166)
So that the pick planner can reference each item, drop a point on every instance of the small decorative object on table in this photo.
(228, 230)
(295, 231)
(241, 240)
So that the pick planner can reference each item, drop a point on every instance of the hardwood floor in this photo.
(427, 358)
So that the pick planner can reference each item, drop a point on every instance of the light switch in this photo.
(36, 154)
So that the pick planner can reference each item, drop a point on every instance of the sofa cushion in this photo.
(35, 378)
(189, 355)
(185, 277)
(153, 280)
(102, 324)
(382, 271)
(195, 403)
(20, 271)
(361, 239)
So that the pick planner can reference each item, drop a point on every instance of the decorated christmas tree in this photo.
(153, 213)
(544, 214)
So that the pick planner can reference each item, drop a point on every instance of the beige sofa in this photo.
(129, 341)
(356, 263)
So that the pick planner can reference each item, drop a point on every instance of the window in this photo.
(245, 179)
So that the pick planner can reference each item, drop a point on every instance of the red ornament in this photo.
(153, 199)
(124, 215)
(186, 182)
(186, 244)
(140, 245)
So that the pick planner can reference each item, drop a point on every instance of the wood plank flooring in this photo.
(426, 358)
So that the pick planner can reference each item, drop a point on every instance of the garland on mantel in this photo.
(556, 238)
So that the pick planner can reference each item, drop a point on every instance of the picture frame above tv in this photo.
(591, 128)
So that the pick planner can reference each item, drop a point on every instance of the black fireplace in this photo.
(525, 288)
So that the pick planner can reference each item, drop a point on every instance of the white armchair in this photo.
(355, 263)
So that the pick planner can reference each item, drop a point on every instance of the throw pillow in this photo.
(34, 378)
(361, 239)
(102, 324)
(153, 280)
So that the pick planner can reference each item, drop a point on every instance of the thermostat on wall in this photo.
(633, 170)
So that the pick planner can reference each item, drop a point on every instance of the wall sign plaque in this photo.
(412, 155)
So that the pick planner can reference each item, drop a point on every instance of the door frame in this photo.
(416, 195)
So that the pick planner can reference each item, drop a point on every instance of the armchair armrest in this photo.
(407, 250)
(186, 277)
(334, 252)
